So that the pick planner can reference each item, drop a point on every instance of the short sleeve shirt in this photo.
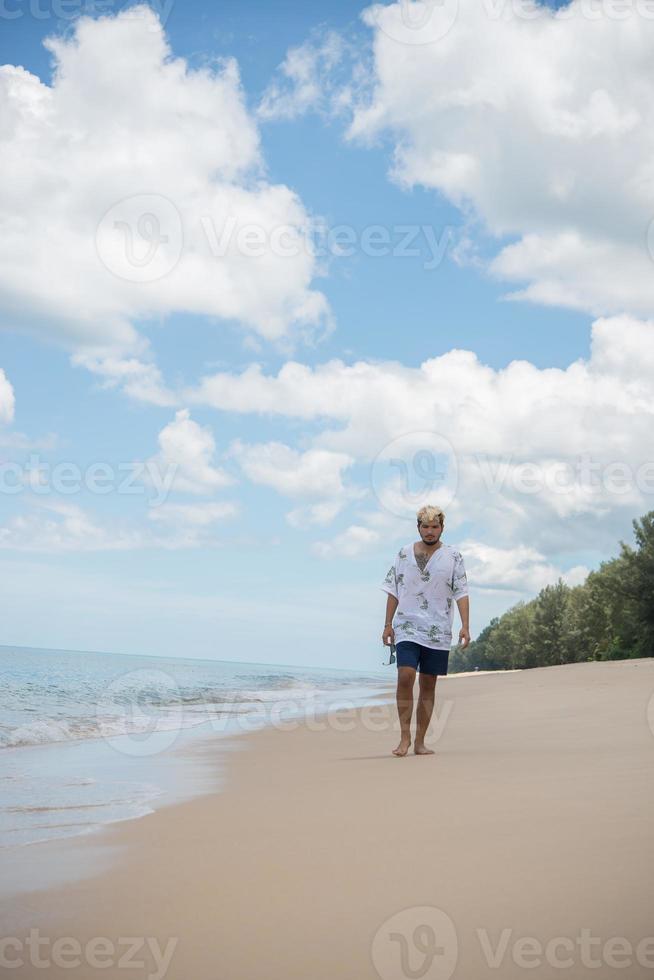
(426, 596)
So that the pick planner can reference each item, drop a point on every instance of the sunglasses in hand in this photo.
(392, 657)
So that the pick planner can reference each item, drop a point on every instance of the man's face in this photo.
(431, 532)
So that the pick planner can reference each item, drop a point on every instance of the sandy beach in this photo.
(523, 847)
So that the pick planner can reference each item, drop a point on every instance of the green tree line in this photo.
(609, 617)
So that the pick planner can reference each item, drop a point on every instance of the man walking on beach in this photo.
(421, 584)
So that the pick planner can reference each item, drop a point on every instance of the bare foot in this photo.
(403, 747)
(422, 750)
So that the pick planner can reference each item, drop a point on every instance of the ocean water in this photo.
(92, 738)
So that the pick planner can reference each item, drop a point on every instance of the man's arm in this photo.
(391, 605)
(464, 612)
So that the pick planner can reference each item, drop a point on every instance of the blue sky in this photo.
(285, 518)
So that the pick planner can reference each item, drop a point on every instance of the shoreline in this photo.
(191, 768)
(91, 753)
(73, 787)
(533, 816)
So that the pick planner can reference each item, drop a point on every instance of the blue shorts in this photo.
(424, 659)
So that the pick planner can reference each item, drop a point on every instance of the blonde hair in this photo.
(428, 513)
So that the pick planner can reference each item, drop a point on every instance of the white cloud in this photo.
(182, 153)
(539, 125)
(309, 79)
(316, 472)
(58, 526)
(354, 542)
(520, 569)
(323, 512)
(535, 448)
(193, 515)
(19, 440)
(7, 399)
(186, 451)
(140, 380)
(10, 438)
(184, 463)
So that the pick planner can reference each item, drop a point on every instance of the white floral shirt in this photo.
(426, 598)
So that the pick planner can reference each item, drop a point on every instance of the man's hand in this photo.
(388, 636)
(464, 637)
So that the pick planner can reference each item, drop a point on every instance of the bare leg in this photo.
(423, 715)
(405, 680)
